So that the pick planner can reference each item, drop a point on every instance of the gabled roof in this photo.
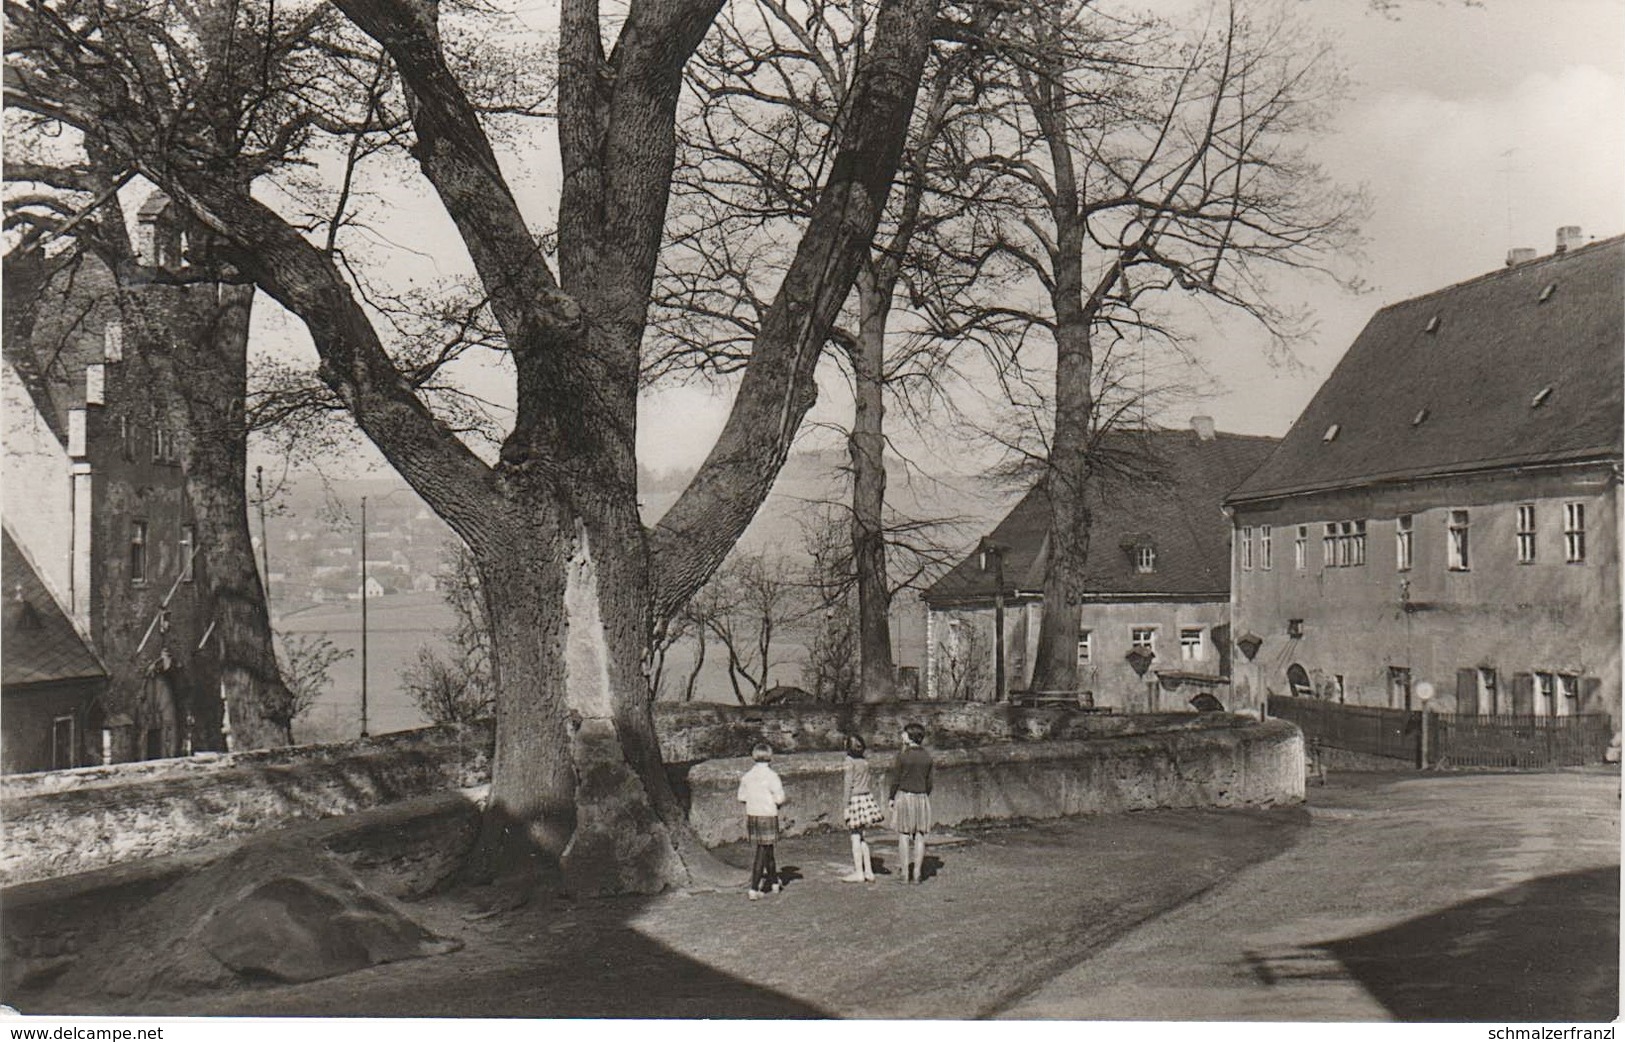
(1449, 381)
(41, 645)
(1163, 488)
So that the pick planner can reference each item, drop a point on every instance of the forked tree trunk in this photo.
(867, 445)
(578, 791)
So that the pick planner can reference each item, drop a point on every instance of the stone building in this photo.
(94, 495)
(1446, 509)
(1154, 629)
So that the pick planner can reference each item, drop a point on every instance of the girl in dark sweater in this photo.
(911, 801)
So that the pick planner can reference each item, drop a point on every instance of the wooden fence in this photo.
(1519, 741)
(1453, 740)
(1374, 730)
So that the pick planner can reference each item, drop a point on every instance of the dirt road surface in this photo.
(1388, 897)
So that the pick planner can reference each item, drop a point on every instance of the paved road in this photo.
(1448, 897)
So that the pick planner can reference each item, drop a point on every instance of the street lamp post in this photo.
(990, 549)
(363, 616)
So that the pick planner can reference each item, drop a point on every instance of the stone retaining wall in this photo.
(65, 822)
(1256, 765)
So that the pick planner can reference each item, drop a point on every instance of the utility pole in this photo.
(265, 540)
(363, 616)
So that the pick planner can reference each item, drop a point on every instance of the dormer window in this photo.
(1331, 432)
(1546, 294)
(1145, 560)
(1432, 326)
(1540, 397)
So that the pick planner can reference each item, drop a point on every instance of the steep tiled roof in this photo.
(1449, 381)
(40, 644)
(1164, 488)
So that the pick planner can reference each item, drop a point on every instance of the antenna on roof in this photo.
(1506, 189)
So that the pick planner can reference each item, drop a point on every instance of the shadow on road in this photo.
(1544, 950)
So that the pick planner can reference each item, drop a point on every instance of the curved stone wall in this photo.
(1257, 765)
(998, 760)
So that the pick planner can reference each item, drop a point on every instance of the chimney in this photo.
(1203, 426)
(1520, 255)
(1568, 237)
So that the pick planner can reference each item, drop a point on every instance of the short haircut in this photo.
(915, 732)
(855, 745)
(761, 752)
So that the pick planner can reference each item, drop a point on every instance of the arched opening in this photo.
(1297, 679)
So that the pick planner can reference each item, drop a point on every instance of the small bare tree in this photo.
(306, 661)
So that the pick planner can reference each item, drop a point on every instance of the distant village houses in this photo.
(1155, 625)
(1446, 509)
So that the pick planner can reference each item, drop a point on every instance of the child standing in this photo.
(762, 793)
(861, 809)
(911, 801)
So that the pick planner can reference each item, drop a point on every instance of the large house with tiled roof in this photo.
(1446, 510)
(1154, 627)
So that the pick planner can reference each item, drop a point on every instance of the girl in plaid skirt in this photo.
(762, 793)
(861, 809)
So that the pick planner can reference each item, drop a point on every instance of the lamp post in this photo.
(363, 616)
(1424, 694)
(990, 549)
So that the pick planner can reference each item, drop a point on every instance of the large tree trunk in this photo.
(579, 793)
(1067, 482)
(194, 341)
(867, 445)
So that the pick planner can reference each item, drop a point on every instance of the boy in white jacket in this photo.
(762, 793)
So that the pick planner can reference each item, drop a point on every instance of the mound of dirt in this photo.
(268, 911)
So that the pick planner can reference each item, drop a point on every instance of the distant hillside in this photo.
(969, 505)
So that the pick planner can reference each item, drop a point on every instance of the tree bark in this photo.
(867, 445)
(1066, 477)
(193, 341)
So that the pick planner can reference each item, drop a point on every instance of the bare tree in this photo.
(773, 83)
(1144, 162)
(306, 661)
(573, 583)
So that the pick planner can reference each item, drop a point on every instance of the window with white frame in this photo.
(1328, 545)
(1143, 638)
(1145, 560)
(1247, 548)
(1266, 555)
(1574, 532)
(188, 544)
(1402, 543)
(1345, 544)
(1086, 647)
(1459, 559)
(1526, 533)
(1545, 694)
(1192, 648)
(1567, 702)
(1300, 548)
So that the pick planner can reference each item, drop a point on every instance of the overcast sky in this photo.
(1473, 129)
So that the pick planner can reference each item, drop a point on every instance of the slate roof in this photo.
(41, 645)
(1165, 488)
(1410, 403)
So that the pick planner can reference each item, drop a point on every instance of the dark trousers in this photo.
(764, 871)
